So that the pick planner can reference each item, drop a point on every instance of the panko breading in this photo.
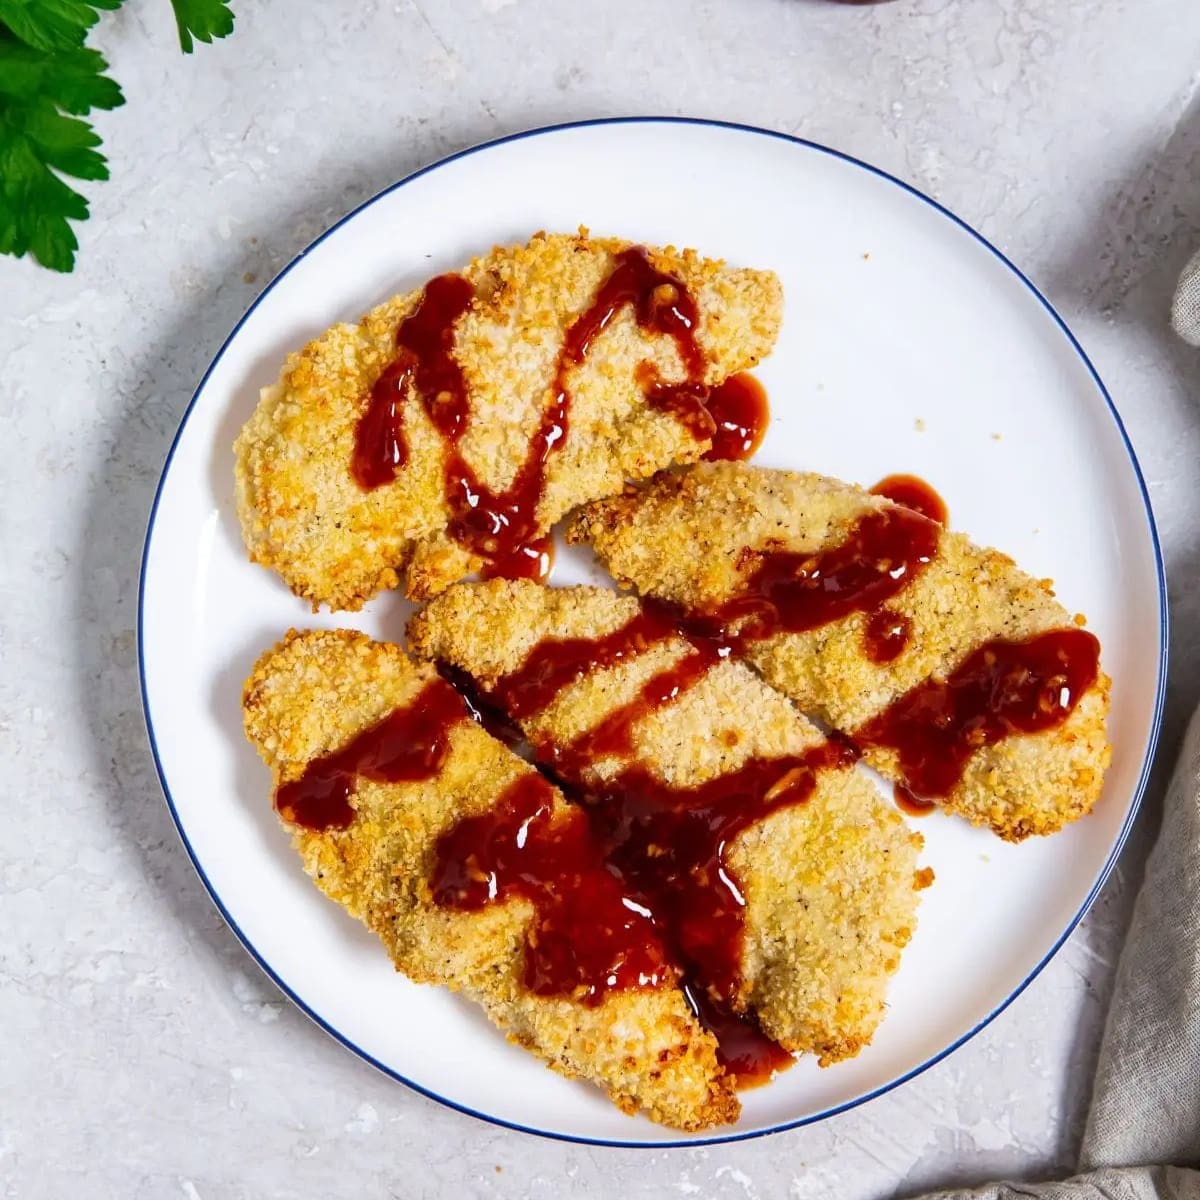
(334, 543)
(831, 884)
(312, 694)
(689, 538)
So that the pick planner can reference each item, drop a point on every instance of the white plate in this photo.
(909, 344)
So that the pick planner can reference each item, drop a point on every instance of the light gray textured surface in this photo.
(142, 1054)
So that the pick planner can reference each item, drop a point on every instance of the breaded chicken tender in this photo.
(496, 370)
(830, 884)
(694, 538)
(314, 693)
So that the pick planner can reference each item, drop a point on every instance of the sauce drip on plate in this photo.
(913, 492)
(747, 1053)
(740, 411)
(906, 802)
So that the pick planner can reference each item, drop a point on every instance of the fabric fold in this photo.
(1146, 1097)
(1145, 1107)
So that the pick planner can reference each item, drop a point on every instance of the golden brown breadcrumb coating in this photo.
(310, 695)
(681, 538)
(304, 515)
(831, 884)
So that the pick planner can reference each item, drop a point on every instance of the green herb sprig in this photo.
(49, 83)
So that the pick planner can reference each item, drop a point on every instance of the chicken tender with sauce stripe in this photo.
(696, 538)
(830, 883)
(316, 693)
(480, 418)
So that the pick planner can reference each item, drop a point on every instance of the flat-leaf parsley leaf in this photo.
(52, 24)
(39, 143)
(202, 20)
(48, 81)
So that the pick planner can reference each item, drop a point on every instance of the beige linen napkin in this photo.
(1143, 1130)
(1185, 312)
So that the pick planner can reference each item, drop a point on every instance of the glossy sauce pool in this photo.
(913, 492)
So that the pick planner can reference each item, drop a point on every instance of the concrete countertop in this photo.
(144, 1055)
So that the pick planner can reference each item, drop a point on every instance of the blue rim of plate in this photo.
(1151, 745)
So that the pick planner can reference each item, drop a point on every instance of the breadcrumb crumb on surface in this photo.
(831, 884)
(303, 514)
(682, 538)
(312, 693)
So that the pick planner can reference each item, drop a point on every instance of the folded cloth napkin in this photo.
(1143, 1128)
(1185, 312)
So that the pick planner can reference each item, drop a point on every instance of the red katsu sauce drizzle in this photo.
(502, 527)
(739, 409)
(661, 304)
(913, 492)
(409, 744)
(587, 937)
(614, 735)
(533, 559)
(1001, 689)
(913, 805)
(747, 1053)
(668, 844)
(483, 710)
(424, 363)
(886, 634)
(791, 592)
(556, 663)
